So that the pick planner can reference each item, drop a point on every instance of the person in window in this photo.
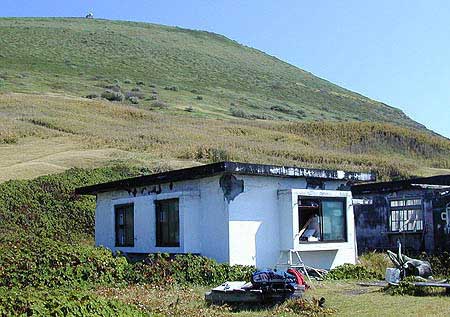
(312, 229)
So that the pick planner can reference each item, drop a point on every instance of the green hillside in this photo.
(215, 75)
(90, 93)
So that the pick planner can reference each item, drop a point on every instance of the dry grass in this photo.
(53, 133)
(344, 298)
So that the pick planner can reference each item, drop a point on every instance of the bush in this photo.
(135, 89)
(199, 98)
(43, 262)
(112, 95)
(114, 87)
(172, 88)
(152, 97)
(92, 96)
(440, 263)
(235, 112)
(376, 261)
(60, 302)
(210, 154)
(352, 272)
(405, 287)
(140, 83)
(162, 269)
(134, 100)
(159, 104)
(127, 81)
(130, 94)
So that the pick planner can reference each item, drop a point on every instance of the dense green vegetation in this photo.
(49, 266)
(86, 57)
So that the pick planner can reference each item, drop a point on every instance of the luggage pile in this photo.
(265, 287)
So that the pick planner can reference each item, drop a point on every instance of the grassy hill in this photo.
(174, 97)
(81, 57)
(46, 134)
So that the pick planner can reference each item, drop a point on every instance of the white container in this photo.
(392, 275)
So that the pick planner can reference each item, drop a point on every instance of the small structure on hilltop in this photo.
(239, 213)
(90, 15)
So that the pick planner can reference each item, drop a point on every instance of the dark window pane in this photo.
(124, 218)
(167, 223)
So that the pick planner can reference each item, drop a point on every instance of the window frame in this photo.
(403, 208)
(322, 199)
(158, 224)
(117, 226)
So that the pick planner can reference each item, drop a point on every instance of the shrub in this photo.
(159, 104)
(304, 307)
(352, 272)
(440, 263)
(189, 109)
(137, 94)
(172, 88)
(152, 97)
(8, 137)
(162, 269)
(210, 153)
(406, 287)
(135, 89)
(112, 95)
(60, 302)
(194, 91)
(376, 261)
(152, 86)
(199, 97)
(140, 83)
(154, 92)
(114, 87)
(127, 81)
(235, 112)
(92, 96)
(134, 100)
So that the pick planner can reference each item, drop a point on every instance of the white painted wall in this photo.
(249, 230)
(198, 220)
(261, 224)
(324, 255)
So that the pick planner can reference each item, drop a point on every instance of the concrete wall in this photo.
(259, 226)
(246, 227)
(324, 255)
(203, 218)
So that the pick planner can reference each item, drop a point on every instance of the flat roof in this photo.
(413, 183)
(224, 167)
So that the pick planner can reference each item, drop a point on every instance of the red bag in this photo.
(299, 277)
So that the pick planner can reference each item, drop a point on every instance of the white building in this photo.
(237, 213)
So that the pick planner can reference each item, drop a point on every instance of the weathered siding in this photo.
(372, 222)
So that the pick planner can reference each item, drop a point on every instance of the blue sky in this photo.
(397, 52)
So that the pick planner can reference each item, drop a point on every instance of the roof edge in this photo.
(225, 167)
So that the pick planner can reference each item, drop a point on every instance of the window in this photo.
(124, 215)
(167, 223)
(322, 219)
(406, 215)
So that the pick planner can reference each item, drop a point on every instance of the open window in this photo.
(124, 219)
(322, 219)
(406, 215)
(167, 223)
